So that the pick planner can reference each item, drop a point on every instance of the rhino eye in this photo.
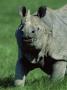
(33, 31)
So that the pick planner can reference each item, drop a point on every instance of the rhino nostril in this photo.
(33, 31)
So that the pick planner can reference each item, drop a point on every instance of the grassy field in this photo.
(9, 21)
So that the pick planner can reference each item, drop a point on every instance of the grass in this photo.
(9, 21)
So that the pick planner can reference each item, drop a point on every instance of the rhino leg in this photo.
(66, 69)
(59, 69)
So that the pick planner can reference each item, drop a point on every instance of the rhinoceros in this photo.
(47, 31)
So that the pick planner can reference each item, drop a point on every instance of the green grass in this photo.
(9, 21)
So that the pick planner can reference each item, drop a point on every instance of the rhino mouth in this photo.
(27, 39)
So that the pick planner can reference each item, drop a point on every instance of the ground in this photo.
(9, 21)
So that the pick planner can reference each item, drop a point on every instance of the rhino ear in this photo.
(41, 11)
(22, 11)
